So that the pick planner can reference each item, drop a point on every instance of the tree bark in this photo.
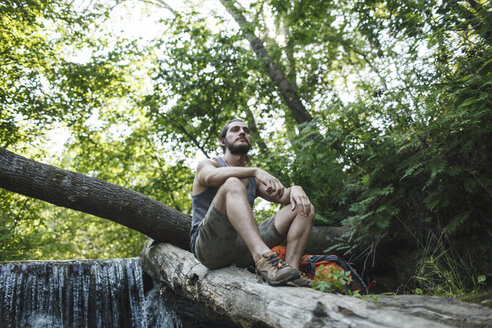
(286, 88)
(94, 196)
(237, 294)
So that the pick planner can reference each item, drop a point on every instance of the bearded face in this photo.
(237, 138)
(238, 148)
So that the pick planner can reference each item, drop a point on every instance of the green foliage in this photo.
(333, 280)
(39, 85)
(439, 282)
(41, 231)
(411, 154)
(44, 86)
(20, 231)
(439, 164)
(442, 272)
(201, 81)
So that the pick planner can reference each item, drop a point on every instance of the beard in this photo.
(241, 149)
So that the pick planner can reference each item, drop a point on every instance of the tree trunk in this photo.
(237, 294)
(286, 88)
(94, 196)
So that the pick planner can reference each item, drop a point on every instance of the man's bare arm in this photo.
(209, 174)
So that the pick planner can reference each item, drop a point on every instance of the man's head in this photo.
(236, 137)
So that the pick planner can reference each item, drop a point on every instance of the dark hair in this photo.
(226, 128)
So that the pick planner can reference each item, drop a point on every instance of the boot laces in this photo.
(276, 261)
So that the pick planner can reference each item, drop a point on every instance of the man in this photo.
(224, 230)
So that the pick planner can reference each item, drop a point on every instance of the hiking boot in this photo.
(302, 281)
(274, 270)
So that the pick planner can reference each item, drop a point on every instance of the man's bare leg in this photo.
(232, 201)
(297, 227)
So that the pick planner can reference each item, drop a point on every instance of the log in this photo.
(450, 311)
(323, 237)
(94, 196)
(236, 293)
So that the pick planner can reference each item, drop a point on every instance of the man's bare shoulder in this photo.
(203, 166)
(207, 162)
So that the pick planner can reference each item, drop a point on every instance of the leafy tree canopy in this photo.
(398, 143)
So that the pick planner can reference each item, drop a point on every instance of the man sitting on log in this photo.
(224, 230)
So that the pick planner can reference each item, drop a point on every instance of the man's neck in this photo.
(234, 159)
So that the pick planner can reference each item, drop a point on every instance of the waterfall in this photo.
(81, 293)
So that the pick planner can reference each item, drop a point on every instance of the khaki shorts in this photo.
(218, 244)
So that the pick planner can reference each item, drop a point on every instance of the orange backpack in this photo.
(323, 266)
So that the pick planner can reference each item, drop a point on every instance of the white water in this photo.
(103, 293)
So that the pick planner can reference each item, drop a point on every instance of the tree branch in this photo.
(162, 4)
(186, 133)
(287, 89)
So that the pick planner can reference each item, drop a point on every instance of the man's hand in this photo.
(299, 199)
(272, 185)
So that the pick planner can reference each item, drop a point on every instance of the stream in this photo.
(92, 293)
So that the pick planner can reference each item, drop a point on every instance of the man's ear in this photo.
(222, 142)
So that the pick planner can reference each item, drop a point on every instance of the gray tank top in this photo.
(201, 202)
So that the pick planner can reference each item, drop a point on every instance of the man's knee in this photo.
(312, 212)
(309, 216)
(232, 182)
(233, 185)
(232, 188)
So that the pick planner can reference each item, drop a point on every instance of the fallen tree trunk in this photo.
(94, 196)
(237, 294)
(449, 311)
(124, 206)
